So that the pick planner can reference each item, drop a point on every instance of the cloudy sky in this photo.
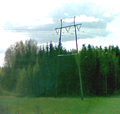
(35, 19)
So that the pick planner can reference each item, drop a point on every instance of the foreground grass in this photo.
(95, 105)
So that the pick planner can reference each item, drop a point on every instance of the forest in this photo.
(34, 71)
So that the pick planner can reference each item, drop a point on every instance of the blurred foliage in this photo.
(30, 70)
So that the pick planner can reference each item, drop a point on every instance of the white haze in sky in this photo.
(35, 19)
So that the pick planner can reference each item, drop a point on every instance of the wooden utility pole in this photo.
(78, 62)
(59, 47)
(75, 25)
(75, 35)
(60, 34)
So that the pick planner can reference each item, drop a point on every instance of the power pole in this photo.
(60, 34)
(59, 47)
(75, 25)
(75, 35)
(80, 78)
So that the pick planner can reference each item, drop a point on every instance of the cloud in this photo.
(98, 24)
(33, 20)
(94, 18)
(107, 14)
(8, 38)
(37, 20)
(82, 18)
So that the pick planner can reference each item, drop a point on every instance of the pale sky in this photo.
(35, 19)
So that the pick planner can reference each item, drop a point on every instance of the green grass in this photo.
(94, 105)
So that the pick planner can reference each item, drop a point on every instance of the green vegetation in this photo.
(93, 105)
(32, 76)
(34, 71)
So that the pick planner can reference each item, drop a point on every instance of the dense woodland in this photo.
(32, 70)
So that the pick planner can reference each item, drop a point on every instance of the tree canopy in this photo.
(32, 70)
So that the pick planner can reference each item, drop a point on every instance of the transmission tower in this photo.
(76, 26)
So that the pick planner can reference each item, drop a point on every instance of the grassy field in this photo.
(94, 105)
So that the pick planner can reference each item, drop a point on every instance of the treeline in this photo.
(100, 70)
(32, 70)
